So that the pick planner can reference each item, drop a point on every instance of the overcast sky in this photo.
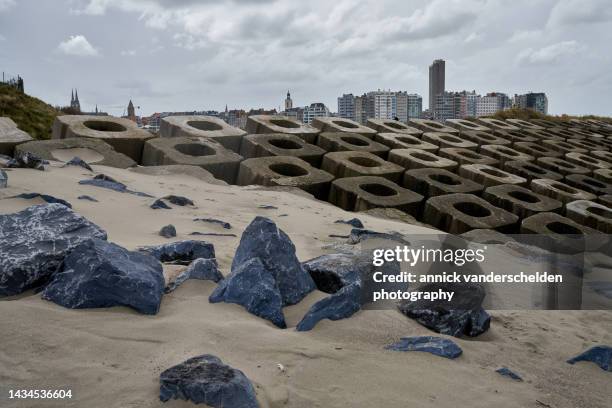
(178, 55)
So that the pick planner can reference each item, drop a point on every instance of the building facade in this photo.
(288, 102)
(346, 106)
(437, 77)
(315, 110)
(534, 101)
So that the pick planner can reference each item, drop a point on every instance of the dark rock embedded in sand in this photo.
(600, 355)
(506, 372)
(181, 201)
(340, 305)
(159, 204)
(206, 380)
(45, 197)
(87, 197)
(355, 222)
(77, 161)
(203, 269)
(224, 224)
(26, 161)
(181, 252)
(464, 315)
(104, 181)
(100, 274)
(3, 179)
(359, 235)
(168, 231)
(434, 345)
(35, 242)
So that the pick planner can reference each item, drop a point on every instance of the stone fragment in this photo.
(168, 231)
(201, 269)
(181, 252)
(600, 355)
(429, 344)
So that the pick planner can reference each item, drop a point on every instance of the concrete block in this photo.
(559, 191)
(541, 134)
(587, 144)
(505, 153)
(123, 134)
(536, 149)
(463, 125)
(520, 200)
(353, 164)
(561, 166)
(92, 151)
(489, 176)
(485, 138)
(195, 151)
(459, 213)
(530, 170)
(364, 193)
(604, 175)
(432, 182)
(602, 155)
(587, 160)
(217, 129)
(465, 156)
(427, 125)
(546, 124)
(562, 146)
(400, 141)
(444, 140)
(523, 124)
(331, 124)
(590, 184)
(262, 124)
(605, 200)
(593, 215)
(11, 136)
(284, 171)
(587, 134)
(417, 159)
(497, 124)
(278, 144)
(514, 136)
(392, 126)
(556, 226)
(344, 141)
(562, 132)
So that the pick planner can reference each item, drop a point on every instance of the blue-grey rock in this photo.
(87, 197)
(178, 200)
(464, 315)
(506, 372)
(159, 204)
(267, 207)
(252, 286)
(45, 197)
(340, 305)
(3, 179)
(98, 274)
(429, 344)
(35, 241)
(359, 235)
(77, 161)
(181, 252)
(104, 181)
(600, 355)
(355, 222)
(212, 234)
(206, 380)
(203, 269)
(168, 231)
(264, 240)
(26, 160)
(224, 224)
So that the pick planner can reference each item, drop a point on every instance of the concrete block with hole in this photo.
(514, 136)
(460, 213)
(195, 151)
(542, 134)
(122, 134)
(392, 126)
(445, 140)
(536, 149)
(585, 133)
(559, 191)
(331, 124)
(546, 124)
(530, 170)
(427, 125)
(587, 144)
(520, 200)
(433, 182)
(591, 214)
(285, 171)
(561, 166)
(364, 193)
(465, 156)
(588, 183)
(505, 153)
(489, 176)
(217, 129)
(418, 159)
(563, 133)
(523, 124)
(463, 125)
(11, 136)
(587, 160)
(602, 155)
(278, 144)
(561, 146)
(92, 151)
(344, 141)
(603, 175)
(605, 200)
(485, 138)
(562, 232)
(401, 141)
(263, 124)
(497, 124)
(353, 164)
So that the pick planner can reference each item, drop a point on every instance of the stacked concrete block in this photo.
(561, 166)
(546, 124)
(593, 215)
(489, 176)
(364, 193)
(465, 156)
(557, 226)
(353, 164)
(262, 124)
(562, 132)
(344, 141)
(433, 182)
(536, 149)
(520, 200)
(202, 126)
(590, 184)
(392, 126)
(496, 124)
(463, 125)
(514, 136)
(587, 160)
(587, 144)
(542, 134)
(523, 124)
(562, 146)
(122, 134)
(11, 136)
(530, 170)
(402, 141)
(559, 191)
(196, 151)
(278, 144)
(605, 200)
(604, 175)
(330, 124)
(484, 138)
(445, 140)
(587, 134)
(505, 153)
(417, 159)
(427, 125)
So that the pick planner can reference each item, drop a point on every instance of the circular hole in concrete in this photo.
(284, 123)
(424, 157)
(288, 169)
(564, 188)
(562, 228)
(194, 149)
(523, 196)
(378, 189)
(408, 140)
(472, 209)
(451, 139)
(433, 124)
(354, 141)
(493, 172)
(395, 125)
(204, 125)
(364, 161)
(602, 212)
(534, 169)
(104, 126)
(499, 123)
(444, 179)
(593, 183)
(285, 144)
(345, 124)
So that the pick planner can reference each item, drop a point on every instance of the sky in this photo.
(185, 55)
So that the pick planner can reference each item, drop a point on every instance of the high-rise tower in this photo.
(436, 81)
(288, 102)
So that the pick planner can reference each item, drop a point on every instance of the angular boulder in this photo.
(355, 222)
(45, 197)
(168, 231)
(340, 305)
(77, 161)
(600, 355)
(26, 161)
(506, 372)
(98, 274)
(206, 380)
(429, 344)
(181, 252)
(203, 269)
(35, 242)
